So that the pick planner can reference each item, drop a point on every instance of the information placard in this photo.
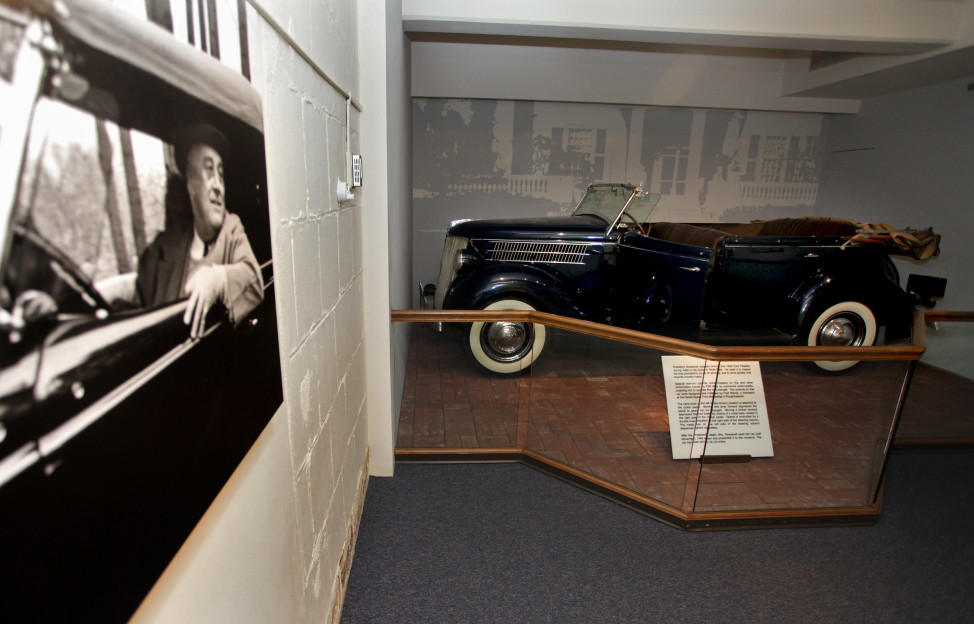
(737, 424)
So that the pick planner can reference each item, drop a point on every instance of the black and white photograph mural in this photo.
(498, 158)
(138, 335)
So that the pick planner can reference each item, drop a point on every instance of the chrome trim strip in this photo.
(18, 461)
(591, 243)
(700, 254)
(618, 218)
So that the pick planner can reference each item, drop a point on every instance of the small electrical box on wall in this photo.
(356, 170)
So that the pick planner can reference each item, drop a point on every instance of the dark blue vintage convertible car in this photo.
(785, 281)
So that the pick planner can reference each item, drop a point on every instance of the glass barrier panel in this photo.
(599, 406)
(746, 436)
(828, 437)
(938, 408)
(450, 402)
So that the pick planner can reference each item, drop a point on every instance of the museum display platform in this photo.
(594, 411)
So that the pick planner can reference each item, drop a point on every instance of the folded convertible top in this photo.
(918, 244)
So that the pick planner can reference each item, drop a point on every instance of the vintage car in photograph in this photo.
(117, 429)
(805, 281)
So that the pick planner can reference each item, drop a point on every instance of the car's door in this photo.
(70, 349)
(660, 285)
(755, 276)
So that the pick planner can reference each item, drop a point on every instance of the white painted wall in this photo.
(706, 53)
(276, 544)
(824, 24)
(873, 75)
(735, 81)
(387, 202)
(402, 285)
(906, 159)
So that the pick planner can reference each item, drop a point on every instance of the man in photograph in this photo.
(203, 253)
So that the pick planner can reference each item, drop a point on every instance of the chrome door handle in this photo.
(691, 269)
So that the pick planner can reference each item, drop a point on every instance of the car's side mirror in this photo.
(30, 306)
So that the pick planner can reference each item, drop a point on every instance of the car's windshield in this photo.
(92, 196)
(607, 201)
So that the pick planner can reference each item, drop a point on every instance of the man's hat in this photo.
(193, 134)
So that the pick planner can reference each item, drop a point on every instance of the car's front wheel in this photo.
(506, 347)
(845, 324)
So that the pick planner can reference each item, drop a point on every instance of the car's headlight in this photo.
(451, 246)
(463, 258)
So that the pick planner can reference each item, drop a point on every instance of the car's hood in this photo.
(586, 226)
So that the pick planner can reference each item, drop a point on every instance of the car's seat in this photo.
(686, 234)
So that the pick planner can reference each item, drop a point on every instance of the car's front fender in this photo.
(549, 291)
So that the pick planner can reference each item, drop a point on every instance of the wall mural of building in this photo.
(500, 158)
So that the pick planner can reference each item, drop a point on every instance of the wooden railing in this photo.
(677, 346)
(934, 316)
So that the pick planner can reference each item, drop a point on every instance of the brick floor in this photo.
(600, 407)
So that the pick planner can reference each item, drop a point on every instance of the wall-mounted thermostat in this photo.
(356, 170)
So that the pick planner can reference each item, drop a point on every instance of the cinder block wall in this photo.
(316, 244)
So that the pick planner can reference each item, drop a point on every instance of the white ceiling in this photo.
(711, 53)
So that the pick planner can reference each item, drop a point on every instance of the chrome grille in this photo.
(533, 251)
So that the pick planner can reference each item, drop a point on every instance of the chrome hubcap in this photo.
(842, 331)
(506, 341)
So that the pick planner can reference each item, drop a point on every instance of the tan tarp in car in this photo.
(918, 244)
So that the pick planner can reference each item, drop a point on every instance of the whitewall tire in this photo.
(504, 347)
(845, 324)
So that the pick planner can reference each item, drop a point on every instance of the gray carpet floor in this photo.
(506, 543)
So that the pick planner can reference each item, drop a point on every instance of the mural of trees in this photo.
(453, 144)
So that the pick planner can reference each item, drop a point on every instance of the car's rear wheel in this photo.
(845, 324)
(506, 347)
